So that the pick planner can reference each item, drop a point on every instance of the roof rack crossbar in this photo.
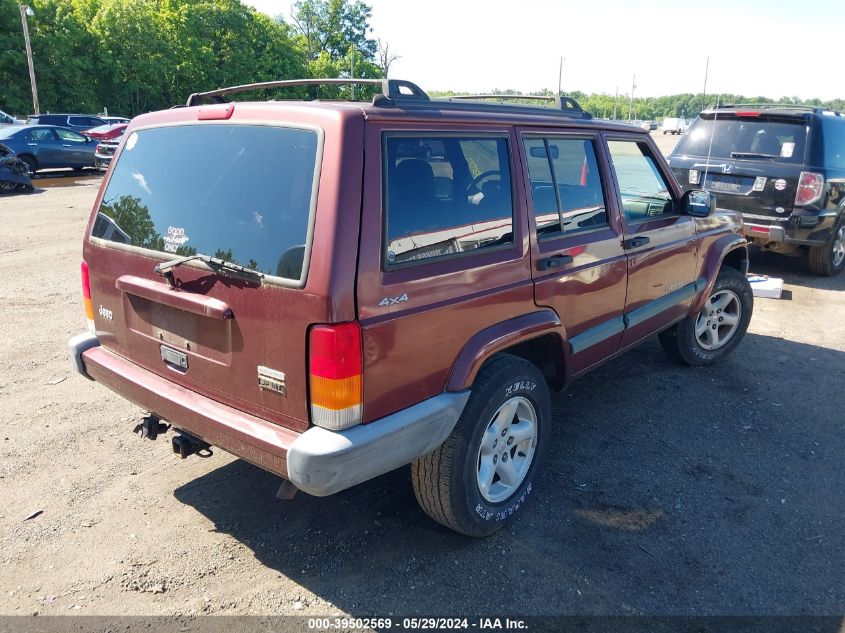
(391, 88)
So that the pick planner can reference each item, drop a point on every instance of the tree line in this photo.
(133, 56)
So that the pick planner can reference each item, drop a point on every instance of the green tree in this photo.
(332, 27)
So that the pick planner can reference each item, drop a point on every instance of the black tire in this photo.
(825, 261)
(446, 481)
(7, 186)
(31, 163)
(683, 344)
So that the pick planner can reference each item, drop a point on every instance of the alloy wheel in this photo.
(507, 449)
(719, 320)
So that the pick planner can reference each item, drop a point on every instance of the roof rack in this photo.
(391, 88)
(398, 92)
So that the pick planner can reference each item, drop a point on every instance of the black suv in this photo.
(782, 167)
(77, 122)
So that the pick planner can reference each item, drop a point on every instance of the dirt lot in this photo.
(709, 491)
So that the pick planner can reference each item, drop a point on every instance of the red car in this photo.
(106, 132)
(332, 290)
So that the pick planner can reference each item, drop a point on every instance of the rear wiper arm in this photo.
(165, 269)
(752, 155)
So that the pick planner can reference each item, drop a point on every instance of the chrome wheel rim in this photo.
(719, 320)
(507, 449)
(839, 247)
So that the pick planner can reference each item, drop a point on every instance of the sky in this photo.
(770, 48)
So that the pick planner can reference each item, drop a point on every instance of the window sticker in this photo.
(786, 150)
(174, 239)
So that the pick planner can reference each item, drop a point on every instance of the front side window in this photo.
(644, 192)
(445, 195)
(69, 136)
(241, 193)
(566, 188)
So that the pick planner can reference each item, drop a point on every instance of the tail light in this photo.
(810, 188)
(694, 176)
(86, 296)
(98, 149)
(335, 375)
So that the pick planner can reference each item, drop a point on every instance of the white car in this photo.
(674, 125)
(8, 119)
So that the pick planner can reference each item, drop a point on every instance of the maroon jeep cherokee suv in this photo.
(331, 290)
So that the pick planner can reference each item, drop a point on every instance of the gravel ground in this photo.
(689, 491)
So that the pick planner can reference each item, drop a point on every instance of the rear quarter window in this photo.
(833, 141)
(242, 193)
(445, 196)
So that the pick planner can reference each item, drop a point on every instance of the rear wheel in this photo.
(484, 471)
(829, 260)
(714, 332)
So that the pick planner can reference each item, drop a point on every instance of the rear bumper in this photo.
(802, 230)
(318, 461)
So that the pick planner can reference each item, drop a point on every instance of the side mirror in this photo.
(698, 203)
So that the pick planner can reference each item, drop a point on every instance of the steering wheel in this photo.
(476, 182)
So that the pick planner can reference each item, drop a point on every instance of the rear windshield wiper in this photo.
(752, 155)
(165, 269)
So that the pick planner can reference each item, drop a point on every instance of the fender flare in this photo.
(500, 336)
(713, 262)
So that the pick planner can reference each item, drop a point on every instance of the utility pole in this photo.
(704, 92)
(631, 102)
(352, 70)
(560, 76)
(25, 11)
(616, 103)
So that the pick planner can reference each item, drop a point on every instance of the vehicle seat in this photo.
(767, 144)
(411, 195)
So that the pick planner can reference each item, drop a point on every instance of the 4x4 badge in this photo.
(392, 301)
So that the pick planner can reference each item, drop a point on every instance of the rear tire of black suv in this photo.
(483, 473)
(829, 260)
(706, 337)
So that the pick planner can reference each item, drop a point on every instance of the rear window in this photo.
(242, 193)
(446, 196)
(776, 140)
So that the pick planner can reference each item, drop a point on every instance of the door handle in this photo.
(555, 261)
(634, 242)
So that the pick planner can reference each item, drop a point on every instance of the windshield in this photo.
(752, 138)
(241, 193)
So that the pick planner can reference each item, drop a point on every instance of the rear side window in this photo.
(241, 193)
(753, 138)
(834, 142)
(445, 196)
(566, 188)
(40, 134)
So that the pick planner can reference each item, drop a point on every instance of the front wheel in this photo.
(483, 473)
(706, 337)
(829, 260)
